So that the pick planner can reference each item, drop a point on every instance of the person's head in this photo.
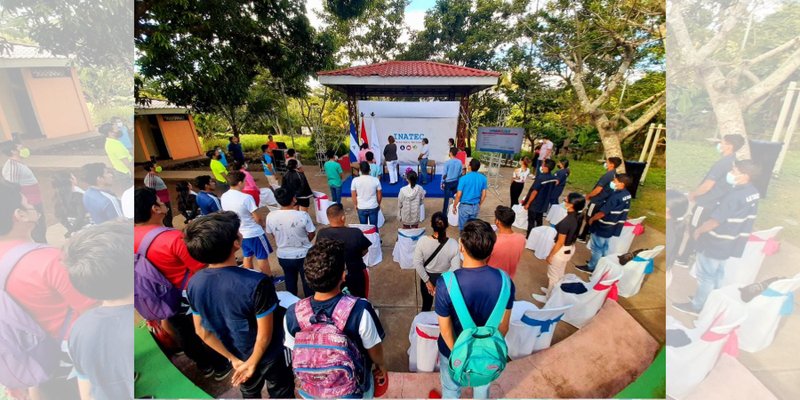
(150, 167)
(89, 257)
(291, 165)
(730, 144)
(364, 167)
(474, 165)
(391, 139)
(364, 146)
(265, 148)
(284, 197)
(15, 211)
(411, 177)
(147, 207)
(183, 187)
(291, 152)
(677, 204)
(424, 140)
(526, 162)
(621, 181)
(205, 183)
(213, 238)
(108, 130)
(477, 240)
(451, 142)
(324, 266)
(269, 137)
(330, 154)
(10, 149)
(563, 163)
(453, 152)
(504, 216)
(97, 174)
(612, 163)
(439, 225)
(215, 154)
(335, 213)
(575, 202)
(234, 139)
(547, 166)
(370, 157)
(235, 179)
(62, 181)
(744, 171)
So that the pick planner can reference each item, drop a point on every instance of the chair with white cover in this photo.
(541, 241)
(452, 219)
(374, 255)
(423, 354)
(742, 271)
(321, 204)
(267, 198)
(556, 213)
(286, 299)
(714, 332)
(635, 270)
(531, 329)
(622, 244)
(520, 216)
(601, 286)
(403, 252)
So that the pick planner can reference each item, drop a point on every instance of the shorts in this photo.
(256, 246)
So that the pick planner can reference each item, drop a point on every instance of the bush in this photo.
(103, 114)
(251, 145)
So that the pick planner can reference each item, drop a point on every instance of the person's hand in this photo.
(431, 288)
(380, 371)
(549, 259)
(697, 234)
(455, 209)
(242, 373)
(527, 206)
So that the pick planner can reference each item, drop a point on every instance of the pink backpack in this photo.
(326, 362)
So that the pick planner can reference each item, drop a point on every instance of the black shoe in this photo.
(208, 372)
(221, 375)
(687, 307)
(584, 268)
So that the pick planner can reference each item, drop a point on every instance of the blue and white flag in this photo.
(353, 143)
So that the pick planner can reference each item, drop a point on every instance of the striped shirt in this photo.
(19, 173)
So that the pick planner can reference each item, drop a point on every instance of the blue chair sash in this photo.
(788, 304)
(649, 268)
(544, 325)
(414, 238)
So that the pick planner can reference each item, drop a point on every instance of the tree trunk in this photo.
(612, 146)
(727, 110)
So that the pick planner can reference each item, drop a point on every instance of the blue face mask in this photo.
(612, 186)
(731, 178)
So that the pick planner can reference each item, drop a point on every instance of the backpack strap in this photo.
(496, 317)
(342, 311)
(148, 239)
(457, 299)
(303, 312)
(12, 257)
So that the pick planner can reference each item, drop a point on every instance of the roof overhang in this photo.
(408, 86)
(163, 111)
(33, 62)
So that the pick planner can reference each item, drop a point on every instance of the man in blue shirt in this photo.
(101, 204)
(124, 135)
(471, 194)
(206, 199)
(246, 327)
(538, 200)
(725, 234)
(609, 220)
(596, 198)
(452, 171)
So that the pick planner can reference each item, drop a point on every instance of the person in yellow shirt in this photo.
(119, 155)
(219, 171)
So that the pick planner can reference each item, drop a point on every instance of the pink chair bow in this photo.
(425, 335)
(371, 230)
(638, 229)
(319, 201)
(770, 247)
(613, 290)
(731, 346)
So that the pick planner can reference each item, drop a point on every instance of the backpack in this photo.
(480, 353)
(326, 362)
(155, 297)
(28, 355)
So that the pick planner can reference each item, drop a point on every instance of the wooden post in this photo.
(462, 132)
(658, 130)
(788, 137)
(647, 141)
(787, 102)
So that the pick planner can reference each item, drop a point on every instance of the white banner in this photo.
(500, 140)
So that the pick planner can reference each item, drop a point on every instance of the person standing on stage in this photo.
(390, 156)
(424, 153)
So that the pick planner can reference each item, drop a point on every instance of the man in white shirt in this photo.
(545, 152)
(293, 231)
(367, 196)
(423, 162)
(254, 240)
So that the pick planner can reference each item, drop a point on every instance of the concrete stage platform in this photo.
(433, 189)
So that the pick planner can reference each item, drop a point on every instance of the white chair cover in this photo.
(531, 329)
(556, 214)
(622, 244)
(267, 199)
(521, 218)
(452, 219)
(286, 299)
(541, 241)
(423, 354)
(321, 204)
(374, 255)
(403, 252)
(742, 271)
(634, 271)
(422, 211)
(714, 332)
(381, 219)
(602, 285)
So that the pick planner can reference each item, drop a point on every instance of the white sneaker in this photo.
(539, 297)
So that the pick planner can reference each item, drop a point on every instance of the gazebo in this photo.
(411, 79)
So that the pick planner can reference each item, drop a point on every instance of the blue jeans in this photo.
(466, 212)
(450, 389)
(599, 249)
(336, 194)
(368, 216)
(450, 189)
(710, 272)
(423, 171)
(292, 268)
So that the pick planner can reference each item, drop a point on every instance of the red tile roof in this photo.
(410, 68)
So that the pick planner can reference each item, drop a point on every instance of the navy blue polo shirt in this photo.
(721, 187)
(603, 183)
(561, 178)
(208, 203)
(615, 211)
(736, 215)
(543, 184)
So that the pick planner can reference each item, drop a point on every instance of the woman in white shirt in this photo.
(409, 199)
(433, 256)
(518, 182)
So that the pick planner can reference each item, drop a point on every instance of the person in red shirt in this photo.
(40, 283)
(169, 255)
(509, 246)
(271, 144)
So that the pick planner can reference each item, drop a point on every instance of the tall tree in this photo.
(371, 37)
(207, 54)
(594, 46)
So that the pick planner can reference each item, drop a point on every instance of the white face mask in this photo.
(605, 165)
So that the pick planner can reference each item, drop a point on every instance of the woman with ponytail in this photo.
(433, 256)
(409, 200)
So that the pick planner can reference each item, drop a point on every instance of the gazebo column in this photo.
(462, 132)
(352, 117)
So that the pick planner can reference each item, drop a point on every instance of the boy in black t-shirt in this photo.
(537, 202)
(236, 310)
(356, 246)
(567, 234)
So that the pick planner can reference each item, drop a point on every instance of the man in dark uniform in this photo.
(725, 234)
(609, 220)
(598, 196)
(538, 199)
(561, 177)
(710, 192)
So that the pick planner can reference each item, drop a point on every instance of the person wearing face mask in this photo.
(566, 235)
(598, 195)
(609, 220)
(119, 156)
(219, 171)
(16, 171)
(725, 233)
(124, 135)
(538, 199)
(712, 189)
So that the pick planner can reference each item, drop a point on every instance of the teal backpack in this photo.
(480, 353)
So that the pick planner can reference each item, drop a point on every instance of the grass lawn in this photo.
(688, 161)
(649, 201)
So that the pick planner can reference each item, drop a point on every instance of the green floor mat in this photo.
(158, 377)
(651, 384)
